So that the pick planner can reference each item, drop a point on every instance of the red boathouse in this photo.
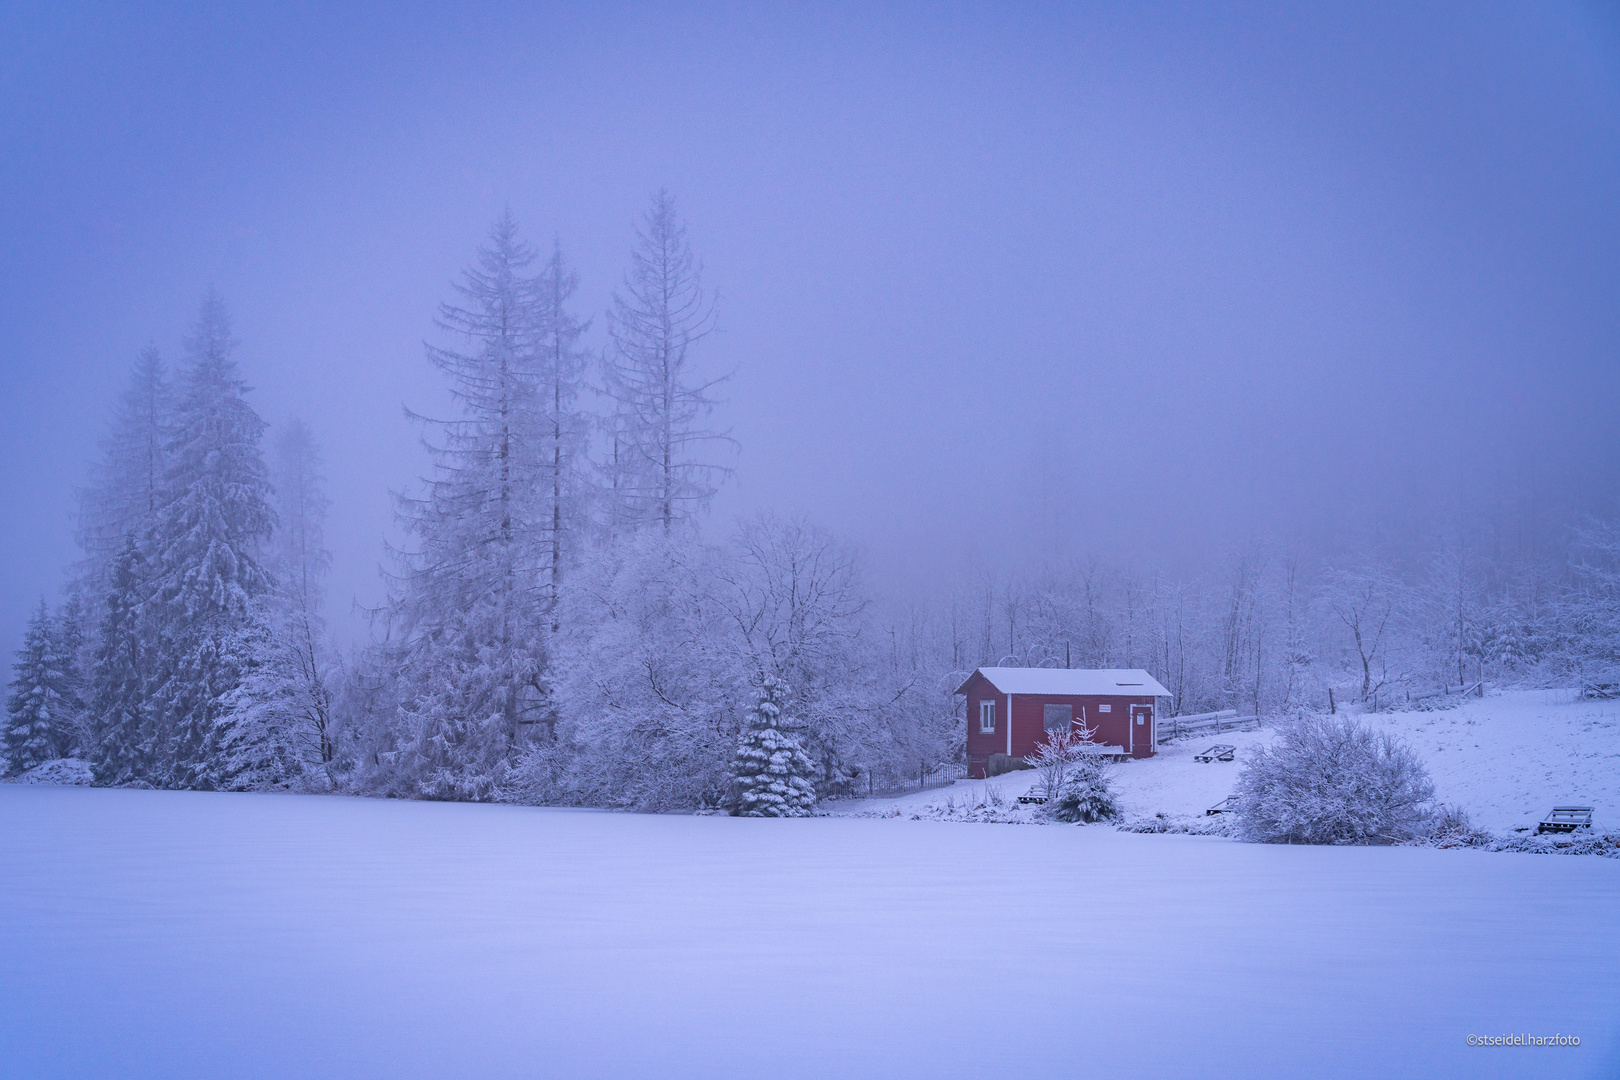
(1010, 710)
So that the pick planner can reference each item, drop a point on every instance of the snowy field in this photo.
(166, 934)
(1506, 759)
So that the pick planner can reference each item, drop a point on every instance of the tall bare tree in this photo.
(659, 465)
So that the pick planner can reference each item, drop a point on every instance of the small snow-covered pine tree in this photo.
(771, 770)
(1087, 794)
(38, 717)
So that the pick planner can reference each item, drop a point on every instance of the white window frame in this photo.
(987, 717)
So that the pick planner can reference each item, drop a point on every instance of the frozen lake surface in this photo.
(166, 934)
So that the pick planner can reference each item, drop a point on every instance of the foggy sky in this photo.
(1149, 282)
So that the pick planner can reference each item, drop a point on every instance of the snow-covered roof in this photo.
(1095, 682)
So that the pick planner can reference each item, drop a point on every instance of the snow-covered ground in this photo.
(1506, 759)
(170, 934)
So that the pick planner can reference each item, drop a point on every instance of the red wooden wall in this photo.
(1028, 722)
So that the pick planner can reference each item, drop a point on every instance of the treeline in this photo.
(1276, 631)
(557, 630)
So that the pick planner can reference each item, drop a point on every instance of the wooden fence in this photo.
(1182, 727)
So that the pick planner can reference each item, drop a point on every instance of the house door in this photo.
(1141, 727)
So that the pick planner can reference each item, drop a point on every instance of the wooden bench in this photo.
(1031, 797)
(1102, 750)
(1566, 819)
(1218, 752)
(1227, 805)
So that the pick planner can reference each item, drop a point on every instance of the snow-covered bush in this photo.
(1580, 842)
(987, 805)
(1162, 823)
(1056, 758)
(772, 770)
(1330, 780)
(1087, 795)
(74, 772)
(1449, 827)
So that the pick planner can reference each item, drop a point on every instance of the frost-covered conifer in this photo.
(42, 708)
(208, 560)
(471, 600)
(771, 770)
(120, 719)
(656, 465)
(281, 715)
(257, 741)
(126, 489)
(1087, 794)
(69, 641)
(301, 504)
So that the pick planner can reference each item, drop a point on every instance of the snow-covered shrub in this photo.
(1087, 795)
(1579, 842)
(1330, 780)
(1056, 758)
(1162, 823)
(1449, 827)
(772, 770)
(986, 806)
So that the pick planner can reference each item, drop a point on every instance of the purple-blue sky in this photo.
(1148, 281)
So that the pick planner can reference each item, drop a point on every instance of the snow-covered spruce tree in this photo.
(42, 709)
(68, 641)
(656, 467)
(258, 743)
(282, 713)
(1331, 780)
(771, 770)
(208, 560)
(127, 484)
(1087, 794)
(120, 717)
(469, 604)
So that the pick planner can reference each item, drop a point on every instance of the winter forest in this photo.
(568, 624)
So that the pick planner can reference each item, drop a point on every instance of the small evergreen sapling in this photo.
(1087, 795)
(771, 770)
